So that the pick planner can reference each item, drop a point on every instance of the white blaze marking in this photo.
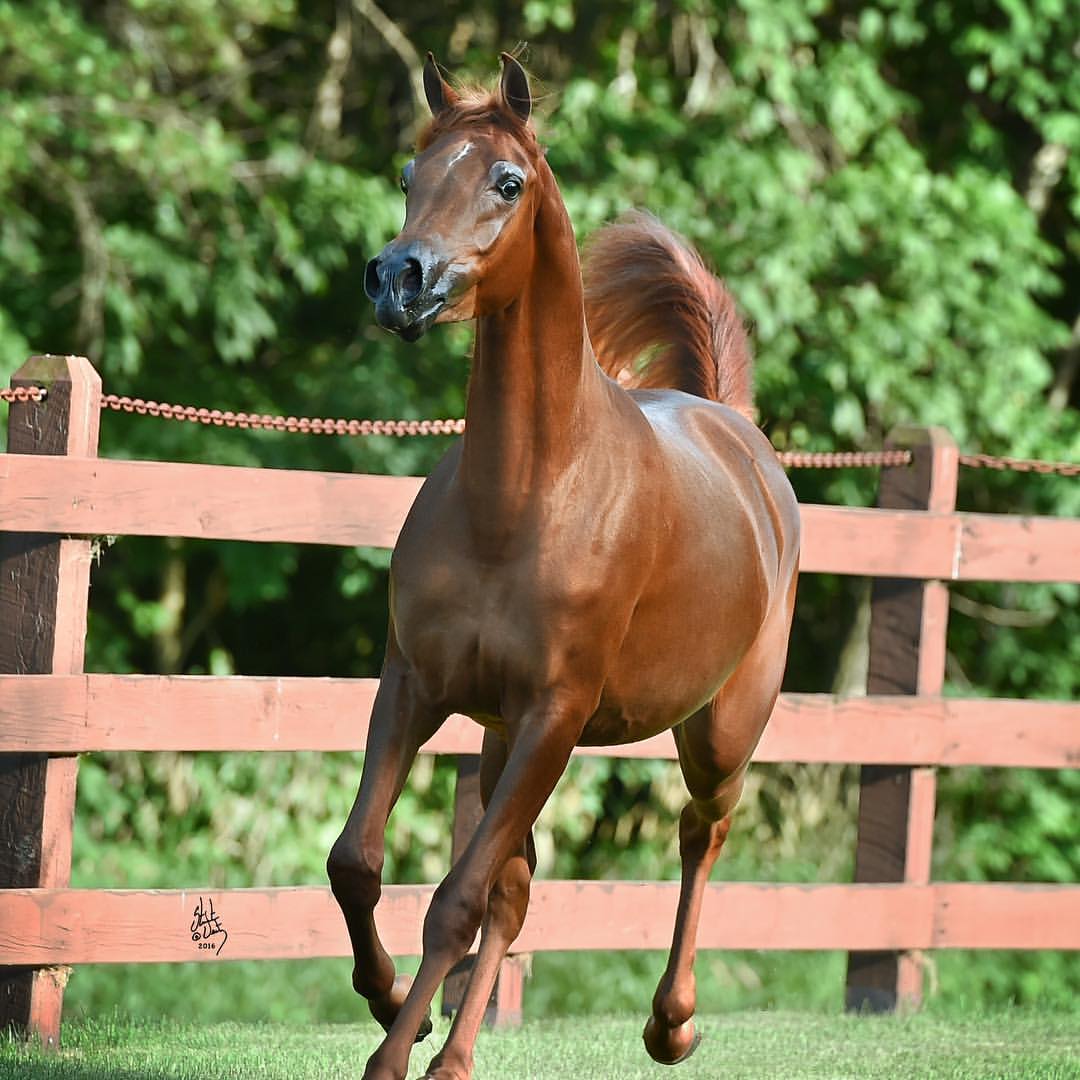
(458, 156)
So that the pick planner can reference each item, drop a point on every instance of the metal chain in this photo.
(792, 459)
(303, 424)
(797, 459)
(1024, 465)
(23, 393)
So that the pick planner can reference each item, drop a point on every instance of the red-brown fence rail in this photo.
(55, 495)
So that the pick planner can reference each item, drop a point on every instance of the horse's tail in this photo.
(657, 317)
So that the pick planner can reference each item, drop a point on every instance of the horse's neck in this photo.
(534, 386)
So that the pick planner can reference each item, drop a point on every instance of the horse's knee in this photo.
(452, 920)
(509, 898)
(355, 874)
(512, 884)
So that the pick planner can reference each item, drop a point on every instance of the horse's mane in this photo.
(659, 319)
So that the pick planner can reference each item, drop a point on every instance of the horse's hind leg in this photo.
(670, 1035)
(714, 747)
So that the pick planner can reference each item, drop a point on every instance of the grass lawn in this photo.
(782, 1045)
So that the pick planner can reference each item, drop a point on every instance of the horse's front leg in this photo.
(539, 749)
(400, 724)
(507, 904)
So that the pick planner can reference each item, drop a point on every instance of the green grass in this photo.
(751, 1045)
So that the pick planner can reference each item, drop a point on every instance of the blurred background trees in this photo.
(188, 194)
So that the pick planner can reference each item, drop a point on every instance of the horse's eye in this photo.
(510, 188)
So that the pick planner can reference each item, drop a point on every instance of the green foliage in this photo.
(189, 193)
(1017, 825)
(175, 820)
(596, 984)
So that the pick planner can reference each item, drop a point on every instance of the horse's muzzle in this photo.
(400, 281)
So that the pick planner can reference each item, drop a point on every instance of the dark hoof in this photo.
(386, 1009)
(670, 1046)
(425, 1028)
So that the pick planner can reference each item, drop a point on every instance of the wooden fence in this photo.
(55, 495)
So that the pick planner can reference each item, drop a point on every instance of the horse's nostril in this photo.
(410, 281)
(394, 278)
(372, 284)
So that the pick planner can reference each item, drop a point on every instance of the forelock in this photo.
(478, 107)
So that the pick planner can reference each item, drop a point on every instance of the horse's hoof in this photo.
(669, 1046)
(425, 1028)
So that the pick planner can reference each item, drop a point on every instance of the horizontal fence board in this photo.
(878, 543)
(899, 729)
(79, 496)
(1009, 547)
(76, 713)
(86, 926)
(99, 497)
(736, 915)
(1035, 917)
(949, 547)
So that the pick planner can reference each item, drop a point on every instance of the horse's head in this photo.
(472, 196)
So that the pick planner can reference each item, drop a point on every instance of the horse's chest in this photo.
(466, 633)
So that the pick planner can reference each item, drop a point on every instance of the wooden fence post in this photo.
(505, 1004)
(44, 583)
(908, 622)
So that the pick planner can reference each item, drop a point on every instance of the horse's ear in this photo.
(515, 87)
(437, 90)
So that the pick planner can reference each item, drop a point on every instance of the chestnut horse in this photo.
(590, 564)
